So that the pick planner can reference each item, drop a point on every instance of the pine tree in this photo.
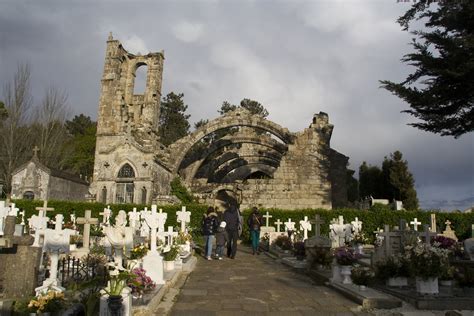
(174, 122)
(369, 181)
(440, 92)
(402, 181)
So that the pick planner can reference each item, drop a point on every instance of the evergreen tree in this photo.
(402, 181)
(440, 92)
(174, 122)
(369, 181)
(352, 186)
(253, 106)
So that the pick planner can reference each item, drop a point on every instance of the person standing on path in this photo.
(209, 228)
(221, 239)
(255, 221)
(233, 221)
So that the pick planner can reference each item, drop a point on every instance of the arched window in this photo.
(125, 187)
(126, 172)
(29, 195)
(103, 197)
(144, 195)
(140, 79)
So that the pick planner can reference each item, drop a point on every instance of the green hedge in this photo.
(372, 219)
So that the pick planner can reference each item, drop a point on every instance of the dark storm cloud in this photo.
(295, 57)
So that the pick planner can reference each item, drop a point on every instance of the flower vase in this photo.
(336, 274)
(346, 274)
(168, 265)
(114, 303)
(397, 281)
(427, 286)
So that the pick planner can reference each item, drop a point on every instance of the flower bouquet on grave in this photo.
(283, 242)
(426, 265)
(323, 257)
(49, 302)
(138, 252)
(141, 283)
(299, 250)
(362, 276)
(444, 242)
(345, 256)
(396, 266)
(359, 239)
(171, 254)
(265, 242)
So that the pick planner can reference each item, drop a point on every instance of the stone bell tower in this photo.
(127, 127)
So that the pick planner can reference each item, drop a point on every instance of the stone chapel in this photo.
(256, 162)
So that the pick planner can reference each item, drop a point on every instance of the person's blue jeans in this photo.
(208, 240)
(255, 236)
(219, 250)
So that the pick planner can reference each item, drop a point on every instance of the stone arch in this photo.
(239, 117)
(244, 171)
(221, 173)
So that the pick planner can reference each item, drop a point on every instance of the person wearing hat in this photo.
(221, 239)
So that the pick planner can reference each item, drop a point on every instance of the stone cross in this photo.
(433, 227)
(289, 225)
(44, 209)
(134, 219)
(183, 217)
(73, 220)
(305, 225)
(356, 226)
(171, 234)
(13, 210)
(267, 217)
(121, 219)
(317, 221)
(87, 220)
(35, 151)
(427, 234)
(278, 223)
(415, 224)
(386, 239)
(106, 215)
(39, 224)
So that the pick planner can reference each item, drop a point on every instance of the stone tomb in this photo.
(17, 255)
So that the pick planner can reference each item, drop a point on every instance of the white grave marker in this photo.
(415, 224)
(183, 217)
(87, 220)
(305, 226)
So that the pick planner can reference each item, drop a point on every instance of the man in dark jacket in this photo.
(255, 221)
(209, 228)
(232, 219)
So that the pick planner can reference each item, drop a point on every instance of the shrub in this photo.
(323, 256)
(298, 249)
(362, 275)
(283, 242)
(392, 267)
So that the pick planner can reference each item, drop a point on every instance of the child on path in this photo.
(221, 239)
(209, 227)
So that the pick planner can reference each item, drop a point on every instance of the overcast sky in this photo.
(295, 57)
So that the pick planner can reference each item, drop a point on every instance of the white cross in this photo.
(151, 220)
(44, 209)
(183, 217)
(290, 225)
(305, 225)
(13, 210)
(171, 234)
(87, 220)
(278, 223)
(357, 226)
(106, 215)
(267, 217)
(162, 217)
(134, 219)
(415, 224)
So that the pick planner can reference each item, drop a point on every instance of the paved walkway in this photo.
(255, 285)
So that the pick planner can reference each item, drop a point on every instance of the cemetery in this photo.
(108, 261)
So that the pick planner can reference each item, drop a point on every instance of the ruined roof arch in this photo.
(239, 117)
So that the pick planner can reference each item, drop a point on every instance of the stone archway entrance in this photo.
(225, 197)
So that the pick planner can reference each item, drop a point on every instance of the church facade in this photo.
(239, 155)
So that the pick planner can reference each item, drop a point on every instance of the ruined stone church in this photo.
(238, 156)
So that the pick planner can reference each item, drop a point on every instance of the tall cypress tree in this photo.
(402, 181)
(174, 122)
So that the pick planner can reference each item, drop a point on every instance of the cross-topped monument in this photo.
(35, 151)
(267, 217)
(279, 223)
(87, 220)
(134, 219)
(106, 215)
(305, 226)
(44, 209)
(415, 224)
(356, 226)
(183, 217)
(317, 221)
(289, 225)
